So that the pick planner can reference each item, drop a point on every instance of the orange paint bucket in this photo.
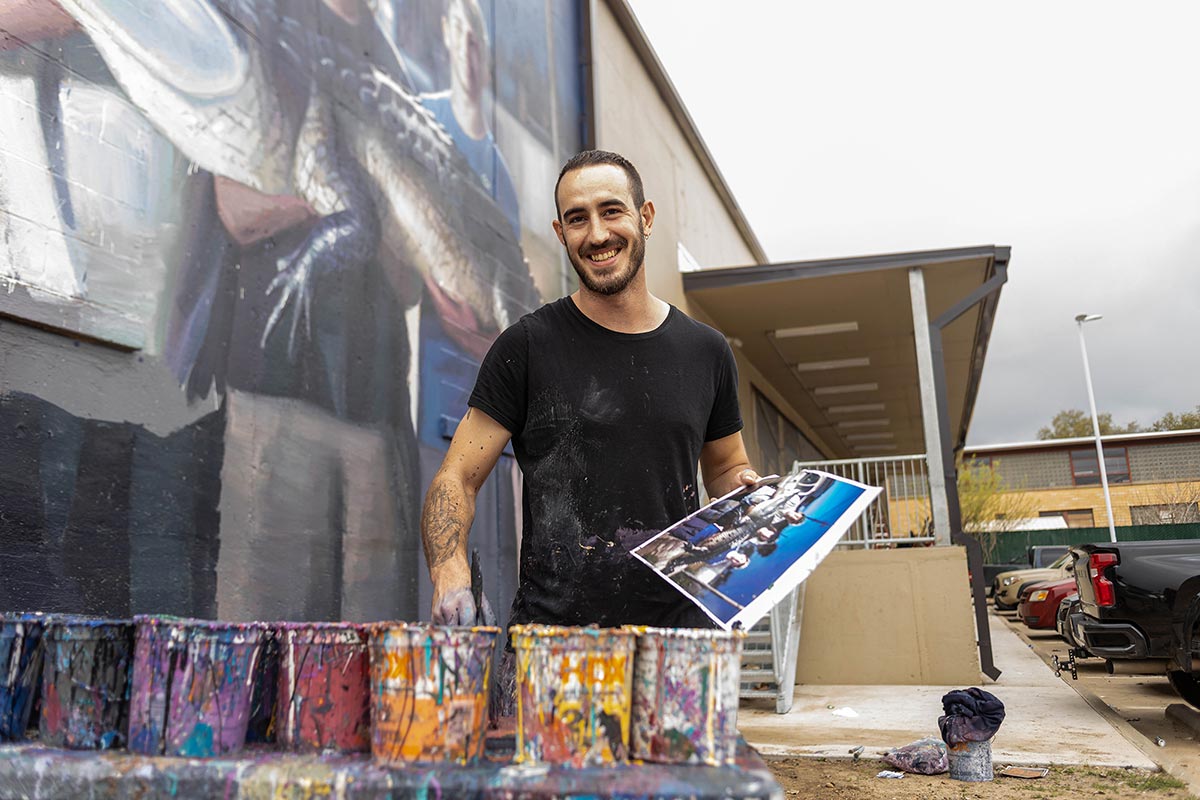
(429, 692)
(573, 694)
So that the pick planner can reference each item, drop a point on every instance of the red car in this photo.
(1039, 602)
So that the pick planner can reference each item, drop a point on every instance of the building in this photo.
(248, 277)
(1153, 478)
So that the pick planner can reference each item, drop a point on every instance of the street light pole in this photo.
(1087, 374)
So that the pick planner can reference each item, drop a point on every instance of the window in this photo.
(1164, 513)
(780, 443)
(1075, 517)
(1086, 471)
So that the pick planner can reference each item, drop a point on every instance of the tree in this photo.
(990, 507)
(1071, 423)
(1184, 420)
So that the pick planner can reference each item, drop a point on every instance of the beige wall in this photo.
(889, 617)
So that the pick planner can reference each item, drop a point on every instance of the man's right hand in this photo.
(457, 607)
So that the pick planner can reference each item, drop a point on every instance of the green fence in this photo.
(1013, 547)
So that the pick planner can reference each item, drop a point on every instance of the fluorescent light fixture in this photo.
(862, 437)
(852, 409)
(837, 363)
(846, 388)
(816, 330)
(864, 423)
(874, 447)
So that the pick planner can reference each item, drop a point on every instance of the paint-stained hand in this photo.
(749, 477)
(457, 607)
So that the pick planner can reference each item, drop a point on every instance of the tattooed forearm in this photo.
(445, 522)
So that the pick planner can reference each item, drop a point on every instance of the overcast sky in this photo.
(1068, 130)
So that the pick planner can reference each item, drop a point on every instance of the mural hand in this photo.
(457, 607)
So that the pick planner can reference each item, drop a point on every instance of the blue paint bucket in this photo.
(20, 671)
(971, 761)
(85, 683)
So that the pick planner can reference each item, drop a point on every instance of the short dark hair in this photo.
(589, 158)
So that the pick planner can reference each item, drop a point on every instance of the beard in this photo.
(616, 282)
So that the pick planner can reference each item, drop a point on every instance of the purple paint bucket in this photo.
(192, 686)
(324, 674)
(20, 671)
(262, 728)
(85, 683)
(685, 695)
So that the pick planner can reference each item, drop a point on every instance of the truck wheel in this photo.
(1186, 685)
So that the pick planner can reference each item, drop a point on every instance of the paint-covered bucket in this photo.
(85, 683)
(573, 694)
(685, 695)
(323, 687)
(971, 761)
(262, 728)
(192, 683)
(429, 690)
(20, 671)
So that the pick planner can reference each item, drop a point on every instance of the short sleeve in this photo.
(501, 386)
(726, 415)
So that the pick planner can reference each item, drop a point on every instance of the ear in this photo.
(558, 231)
(647, 217)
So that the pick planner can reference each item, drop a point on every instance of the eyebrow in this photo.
(612, 202)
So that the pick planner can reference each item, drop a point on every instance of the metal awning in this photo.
(836, 338)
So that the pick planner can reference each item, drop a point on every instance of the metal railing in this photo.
(902, 512)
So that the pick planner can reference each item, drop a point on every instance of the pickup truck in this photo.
(1141, 600)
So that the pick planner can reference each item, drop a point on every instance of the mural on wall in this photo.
(316, 214)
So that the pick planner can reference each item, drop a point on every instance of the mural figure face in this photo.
(465, 38)
(603, 232)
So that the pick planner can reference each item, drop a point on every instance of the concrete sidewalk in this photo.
(1046, 721)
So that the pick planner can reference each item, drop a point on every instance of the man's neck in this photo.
(631, 311)
(468, 113)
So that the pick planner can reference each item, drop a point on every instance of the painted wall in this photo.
(252, 254)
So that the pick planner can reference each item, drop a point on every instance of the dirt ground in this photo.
(820, 778)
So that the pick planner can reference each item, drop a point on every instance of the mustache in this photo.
(615, 241)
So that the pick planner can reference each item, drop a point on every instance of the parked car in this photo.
(1007, 586)
(1039, 602)
(1062, 622)
(1141, 600)
(1037, 557)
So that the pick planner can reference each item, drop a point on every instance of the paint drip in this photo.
(323, 692)
(21, 651)
(263, 726)
(573, 694)
(429, 688)
(685, 695)
(192, 685)
(85, 683)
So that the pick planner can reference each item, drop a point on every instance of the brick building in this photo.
(1154, 478)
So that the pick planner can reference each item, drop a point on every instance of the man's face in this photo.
(462, 33)
(604, 234)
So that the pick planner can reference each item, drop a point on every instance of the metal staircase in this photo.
(769, 653)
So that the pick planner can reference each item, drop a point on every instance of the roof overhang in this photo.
(835, 338)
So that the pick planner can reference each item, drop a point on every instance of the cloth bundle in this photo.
(972, 715)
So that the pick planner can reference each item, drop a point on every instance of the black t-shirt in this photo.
(607, 428)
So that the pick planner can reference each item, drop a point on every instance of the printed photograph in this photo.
(740, 554)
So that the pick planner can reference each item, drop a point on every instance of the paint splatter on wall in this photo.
(288, 232)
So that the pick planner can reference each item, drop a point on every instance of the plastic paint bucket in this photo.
(573, 694)
(85, 683)
(971, 761)
(429, 692)
(20, 671)
(685, 695)
(323, 698)
(192, 684)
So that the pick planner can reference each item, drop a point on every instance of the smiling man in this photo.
(610, 397)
